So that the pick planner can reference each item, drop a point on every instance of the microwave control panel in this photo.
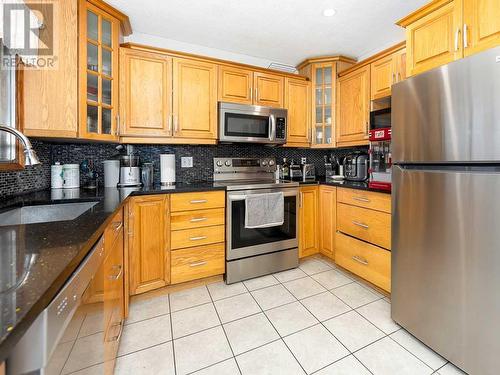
(280, 128)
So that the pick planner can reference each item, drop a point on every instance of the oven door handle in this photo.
(242, 197)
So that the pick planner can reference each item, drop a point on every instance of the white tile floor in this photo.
(316, 319)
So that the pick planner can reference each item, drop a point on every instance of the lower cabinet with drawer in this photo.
(197, 235)
(363, 237)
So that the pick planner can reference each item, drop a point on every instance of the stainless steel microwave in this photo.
(252, 124)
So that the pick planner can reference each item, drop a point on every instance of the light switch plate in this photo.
(303, 160)
(187, 162)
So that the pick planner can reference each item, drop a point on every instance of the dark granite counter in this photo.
(344, 184)
(46, 254)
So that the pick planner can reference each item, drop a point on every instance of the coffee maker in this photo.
(130, 172)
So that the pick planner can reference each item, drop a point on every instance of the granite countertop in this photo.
(321, 180)
(51, 252)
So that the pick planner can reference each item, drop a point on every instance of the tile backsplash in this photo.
(38, 177)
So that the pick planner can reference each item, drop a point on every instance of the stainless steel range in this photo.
(252, 252)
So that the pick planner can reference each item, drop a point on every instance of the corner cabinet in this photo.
(308, 221)
(99, 35)
(298, 104)
(149, 251)
(447, 30)
(353, 107)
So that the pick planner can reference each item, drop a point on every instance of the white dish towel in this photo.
(264, 210)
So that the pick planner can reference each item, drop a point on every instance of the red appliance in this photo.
(380, 170)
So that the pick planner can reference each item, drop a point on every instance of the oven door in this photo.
(244, 242)
(245, 123)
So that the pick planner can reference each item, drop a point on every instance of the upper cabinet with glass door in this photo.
(323, 72)
(100, 35)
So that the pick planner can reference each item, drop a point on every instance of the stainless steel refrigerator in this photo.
(446, 210)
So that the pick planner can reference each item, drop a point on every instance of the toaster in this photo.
(356, 166)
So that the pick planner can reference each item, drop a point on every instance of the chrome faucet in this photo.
(31, 157)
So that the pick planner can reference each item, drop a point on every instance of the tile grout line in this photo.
(172, 333)
(223, 329)
(279, 335)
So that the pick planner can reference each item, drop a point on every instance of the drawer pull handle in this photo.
(361, 199)
(198, 238)
(197, 264)
(117, 276)
(196, 201)
(197, 219)
(360, 224)
(118, 226)
(117, 337)
(360, 260)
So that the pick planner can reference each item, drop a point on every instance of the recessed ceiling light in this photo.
(329, 12)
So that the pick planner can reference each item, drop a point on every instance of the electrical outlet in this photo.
(303, 160)
(187, 162)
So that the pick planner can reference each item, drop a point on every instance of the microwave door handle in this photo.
(272, 123)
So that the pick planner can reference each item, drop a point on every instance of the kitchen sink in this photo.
(44, 213)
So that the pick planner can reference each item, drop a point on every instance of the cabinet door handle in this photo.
(360, 224)
(117, 226)
(176, 124)
(251, 93)
(197, 201)
(198, 238)
(366, 128)
(117, 337)
(300, 200)
(117, 131)
(197, 219)
(197, 264)
(117, 276)
(360, 260)
(466, 42)
(399, 77)
(169, 130)
(393, 78)
(457, 35)
(256, 94)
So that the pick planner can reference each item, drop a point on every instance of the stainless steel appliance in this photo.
(68, 335)
(356, 166)
(446, 210)
(252, 124)
(308, 172)
(130, 172)
(259, 251)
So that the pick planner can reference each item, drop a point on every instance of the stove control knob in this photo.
(264, 163)
(219, 163)
(228, 163)
(271, 163)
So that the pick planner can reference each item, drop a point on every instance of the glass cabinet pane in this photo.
(328, 76)
(328, 115)
(328, 134)
(106, 121)
(106, 62)
(328, 95)
(319, 135)
(92, 119)
(92, 28)
(92, 59)
(319, 76)
(106, 32)
(319, 96)
(319, 115)
(106, 91)
(92, 87)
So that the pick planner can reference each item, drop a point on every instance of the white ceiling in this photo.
(285, 31)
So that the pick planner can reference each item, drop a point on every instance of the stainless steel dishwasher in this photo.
(68, 335)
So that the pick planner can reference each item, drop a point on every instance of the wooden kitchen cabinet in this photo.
(308, 221)
(149, 252)
(482, 18)
(298, 104)
(194, 100)
(145, 94)
(327, 220)
(353, 107)
(113, 298)
(269, 89)
(385, 72)
(235, 85)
